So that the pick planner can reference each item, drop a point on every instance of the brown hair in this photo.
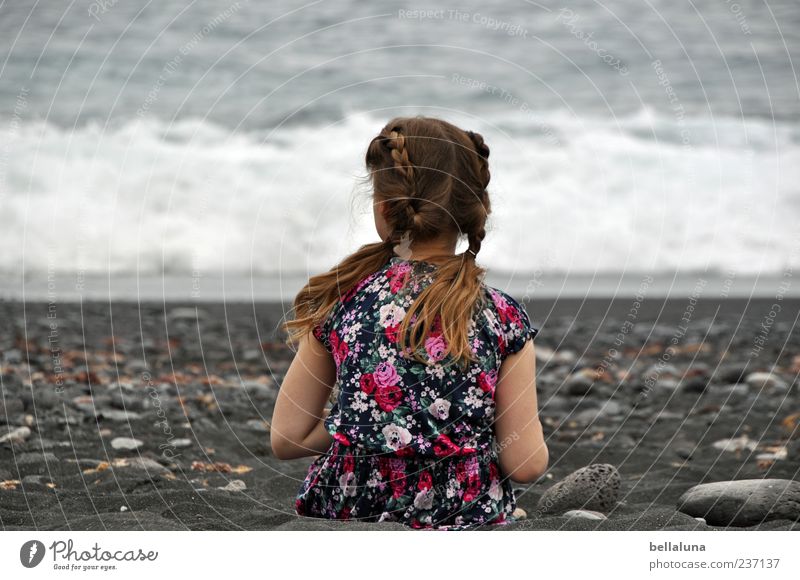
(432, 178)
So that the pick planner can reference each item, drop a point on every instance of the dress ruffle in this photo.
(457, 492)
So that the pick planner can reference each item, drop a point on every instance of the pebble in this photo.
(258, 425)
(745, 502)
(731, 373)
(520, 514)
(17, 435)
(126, 443)
(735, 444)
(181, 442)
(235, 485)
(594, 487)
(146, 464)
(766, 381)
(118, 415)
(778, 455)
(584, 514)
(36, 457)
(579, 384)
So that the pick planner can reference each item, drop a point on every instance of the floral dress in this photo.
(413, 442)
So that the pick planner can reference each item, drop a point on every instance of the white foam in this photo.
(569, 194)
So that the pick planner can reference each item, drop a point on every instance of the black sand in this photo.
(212, 380)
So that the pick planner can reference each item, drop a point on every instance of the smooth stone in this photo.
(181, 443)
(578, 385)
(608, 409)
(584, 514)
(146, 464)
(17, 435)
(694, 384)
(743, 503)
(258, 425)
(32, 480)
(235, 485)
(126, 443)
(118, 415)
(778, 455)
(594, 487)
(731, 373)
(766, 381)
(735, 444)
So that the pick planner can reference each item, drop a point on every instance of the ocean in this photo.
(215, 150)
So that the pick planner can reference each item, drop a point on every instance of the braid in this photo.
(406, 207)
(482, 149)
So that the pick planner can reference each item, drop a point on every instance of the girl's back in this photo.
(413, 440)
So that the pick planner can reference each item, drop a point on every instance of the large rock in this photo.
(743, 503)
(594, 487)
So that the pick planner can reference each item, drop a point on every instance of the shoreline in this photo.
(204, 288)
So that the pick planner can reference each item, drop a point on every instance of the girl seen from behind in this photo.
(436, 408)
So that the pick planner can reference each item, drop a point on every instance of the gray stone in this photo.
(584, 514)
(17, 435)
(33, 458)
(118, 415)
(578, 385)
(734, 445)
(594, 487)
(766, 381)
(746, 502)
(235, 485)
(146, 464)
(731, 373)
(258, 425)
(126, 443)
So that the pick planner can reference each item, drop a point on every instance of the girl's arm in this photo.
(297, 423)
(523, 453)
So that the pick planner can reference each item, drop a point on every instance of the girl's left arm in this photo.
(297, 423)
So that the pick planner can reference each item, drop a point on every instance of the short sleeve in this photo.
(515, 324)
(322, 332)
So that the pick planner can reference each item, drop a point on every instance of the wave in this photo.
(645, 192)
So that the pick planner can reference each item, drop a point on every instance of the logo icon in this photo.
(31, 553)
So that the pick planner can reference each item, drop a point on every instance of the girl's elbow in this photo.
(282, 448)
(531, 470)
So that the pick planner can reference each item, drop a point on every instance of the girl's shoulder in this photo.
(508, 319)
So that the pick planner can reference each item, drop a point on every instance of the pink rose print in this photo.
(436, 347)
(386, 375)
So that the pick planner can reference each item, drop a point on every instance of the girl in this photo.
(436, 406)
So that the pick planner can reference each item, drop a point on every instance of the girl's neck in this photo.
(430, 251)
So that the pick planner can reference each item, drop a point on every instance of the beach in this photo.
(151, 416)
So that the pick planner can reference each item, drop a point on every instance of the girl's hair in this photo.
(432, 178)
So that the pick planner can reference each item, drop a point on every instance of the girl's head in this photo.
(429, 183)
(429, 180)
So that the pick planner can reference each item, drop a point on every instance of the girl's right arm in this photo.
(522, 450)
(298, 428)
